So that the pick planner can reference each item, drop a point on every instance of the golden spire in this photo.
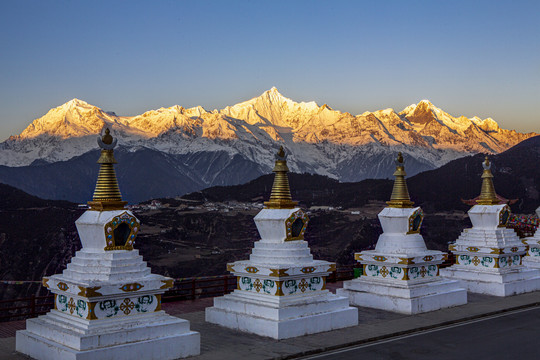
(400, 195)
(107, 194)
(280, 198)
(488, 196)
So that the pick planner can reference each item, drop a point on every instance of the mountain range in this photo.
(173, 151)
(516, 176)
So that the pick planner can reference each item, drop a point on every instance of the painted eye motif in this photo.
(308, 270)
(131, 287)
(252, 269)
(62, 286)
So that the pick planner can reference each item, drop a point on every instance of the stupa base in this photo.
(281, 318)
(532, 262)
(404, 298)
(56, 336)
(511, 282)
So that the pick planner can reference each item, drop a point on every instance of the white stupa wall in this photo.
(107, 304)
(489, 255)
(532, 258)
(281, 290)
(401, 275)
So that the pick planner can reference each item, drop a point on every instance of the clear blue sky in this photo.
(467, 57)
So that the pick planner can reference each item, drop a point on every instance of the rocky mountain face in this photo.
(143, 174)
(516, 172)
(236, 144)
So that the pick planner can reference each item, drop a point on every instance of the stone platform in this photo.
(156, 336)
(404, 298)
(282, 318)
(220, 343)
(281, 290)
(489, 255)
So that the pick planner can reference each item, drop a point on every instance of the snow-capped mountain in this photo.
(321, 140)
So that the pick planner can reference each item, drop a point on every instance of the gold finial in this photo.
(488, 196)
(280, 198)
(400, 195)
(107, 138)
(107, 194)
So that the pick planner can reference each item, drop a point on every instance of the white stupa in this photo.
(281, 290)
(489, 256)
(107, 304)
(401, 274)
(532, 259)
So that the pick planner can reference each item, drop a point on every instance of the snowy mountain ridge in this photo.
(321, 140)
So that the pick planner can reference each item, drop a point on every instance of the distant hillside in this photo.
(143, 174)
(516, 171)
(13, 198)
(37, 237)
(308, 189)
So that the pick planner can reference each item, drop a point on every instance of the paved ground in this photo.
(375, 325)
(502, 336)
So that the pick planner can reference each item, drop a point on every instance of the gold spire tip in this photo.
(400, 194)
(280, 198)
(107, 194)
(488, 196)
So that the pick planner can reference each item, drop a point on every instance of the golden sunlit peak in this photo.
(280, 198)
(400, 194)
(488, 196)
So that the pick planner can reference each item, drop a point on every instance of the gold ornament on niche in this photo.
(504, 216)
(415, 221)
(121, 231)
(296, 225)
